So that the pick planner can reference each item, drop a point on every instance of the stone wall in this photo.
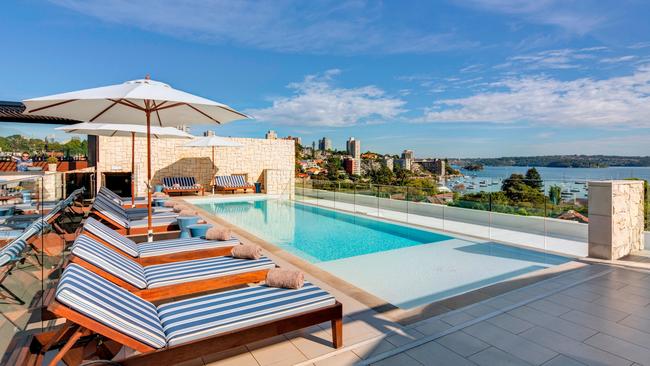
(170, 158)
(615, 218)
(279, 182)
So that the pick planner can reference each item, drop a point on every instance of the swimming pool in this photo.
(403, 265)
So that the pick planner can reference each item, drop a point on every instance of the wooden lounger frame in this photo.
(177, 290)
(168, 258)
(198, 190)
(234, 189)
(135, 230)
(79, 326)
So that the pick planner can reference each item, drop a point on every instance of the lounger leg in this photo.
(68, 345)
(337, 332)
(10, 295)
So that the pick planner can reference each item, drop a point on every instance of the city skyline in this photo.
(524, 79)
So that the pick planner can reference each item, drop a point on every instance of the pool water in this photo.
(403, 265)
(318, 234)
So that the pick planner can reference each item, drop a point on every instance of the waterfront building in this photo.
(352, 165)
(435, 166)
(353, 147)
(271, 135)
(325, 144)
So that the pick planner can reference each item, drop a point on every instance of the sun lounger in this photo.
(159, 251)
(181, 185)
(134, 213)
(169, 280)
(232, 183)
(177, 331)
(114, 215)
(124, 201)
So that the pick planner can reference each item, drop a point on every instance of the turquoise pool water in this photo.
(403, 265)
(319, 234)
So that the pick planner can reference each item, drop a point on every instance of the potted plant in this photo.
(52, 162)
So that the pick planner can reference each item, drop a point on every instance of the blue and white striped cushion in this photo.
(11, 251)
(231, 181)
(109, 260)
(183, 182)
(102, 205)
(110, 194)
(111, 236)
(162, 247)
(208, 315)
(110, 305)
(201, 269)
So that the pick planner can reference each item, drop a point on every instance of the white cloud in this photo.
(317, 102)
(615, 60)
(622, 101)
(282, 25)
(574, 17)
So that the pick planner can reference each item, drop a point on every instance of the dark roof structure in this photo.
(13, 112)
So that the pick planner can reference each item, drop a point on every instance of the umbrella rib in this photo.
(203, 113)
(155, 108)
(51, 105)
(127, 103)
(169, 106)
(102, 112)
(233, 111)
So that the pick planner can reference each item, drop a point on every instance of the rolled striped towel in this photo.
(218, 234)
(187, 212)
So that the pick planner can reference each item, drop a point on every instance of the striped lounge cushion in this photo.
(11, 251)
(171, 246)
(183, 182)
(111, 236)
(106, 207)
(110, 305)
(110, 194)
(204, 316)
(200, 269)
(231, 181)
(109, 260)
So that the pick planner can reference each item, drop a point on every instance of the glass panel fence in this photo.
(35, 221)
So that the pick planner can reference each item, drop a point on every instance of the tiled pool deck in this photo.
(591, 314)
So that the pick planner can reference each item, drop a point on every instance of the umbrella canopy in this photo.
(140, 102)
(212, 141)
(124, 130)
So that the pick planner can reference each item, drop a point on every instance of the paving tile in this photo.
(636, 290)
(373, 348)
(402, 337)
(312, 344)
(605, 326)
(511, 343)
(456, 318)
(576, 350)
(479, 310)
(623, 302)
(401, 359)
(342, 359)
(275, 351)
(432, 326)
(637, 322)
(462, 343)
(494, 356)
(433, 353)
(510, 323)
(581, 294)
(235, 357)
(588, 307)
(620, 347)
(498, 302)
(562, 360)
(565, 327)
(549, 307)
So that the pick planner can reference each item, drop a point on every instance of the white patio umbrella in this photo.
(134, 102)
(124, 130)
(212, 141)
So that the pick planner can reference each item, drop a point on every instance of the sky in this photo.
(456, 78)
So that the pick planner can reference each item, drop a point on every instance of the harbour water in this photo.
(571, 180)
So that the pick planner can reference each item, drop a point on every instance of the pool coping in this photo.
(381, 306)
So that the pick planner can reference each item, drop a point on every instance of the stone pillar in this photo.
(279, 182)
(615, 218)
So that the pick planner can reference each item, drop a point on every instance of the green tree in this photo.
(555, 194)
(382, 175)
(333, 166)
(518, 191)
(533, 179)
(402, 175)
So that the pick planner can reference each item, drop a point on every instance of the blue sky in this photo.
(457, 78)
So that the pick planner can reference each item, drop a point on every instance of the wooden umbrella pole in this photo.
(132, 169)
(149, 226)
(214, 171)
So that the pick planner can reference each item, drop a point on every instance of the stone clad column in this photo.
(615, 218)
